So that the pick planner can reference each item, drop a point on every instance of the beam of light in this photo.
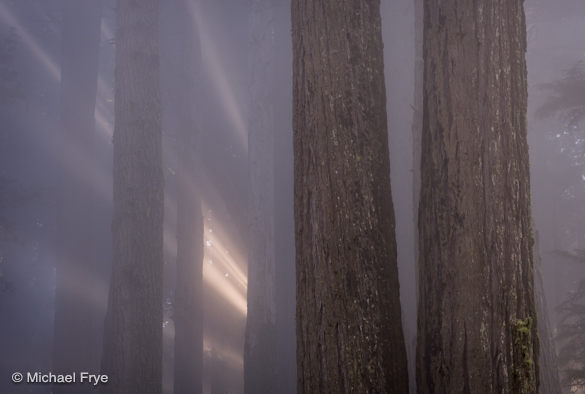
(79, 161)
(217, 252)
(214, 66)
(221, 244)
(216, 279)
(52, 67)
(103, 114)
(215, 265)
(8, 19)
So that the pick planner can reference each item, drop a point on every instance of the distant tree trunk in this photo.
(417, 114)
(349, 327)
(548, 364)
(133, 331)
(284, 236)
(477, 319)
(188, 307)
(78, 316)
(260, 341)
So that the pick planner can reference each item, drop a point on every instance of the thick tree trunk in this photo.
(133, 331)
(477, 319)
(78, 313)
(260, 342)
(349, 327)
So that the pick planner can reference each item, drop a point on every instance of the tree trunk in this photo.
(133, 331)
(188, 307)
(477, 320)
(349, 327)
(417, 114)
(284, 238)
(548, 364)
(417, 120)
(260, 342)
(78, 313)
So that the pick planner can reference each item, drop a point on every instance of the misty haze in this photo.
(304, 196)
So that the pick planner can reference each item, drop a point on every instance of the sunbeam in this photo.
(215, 68)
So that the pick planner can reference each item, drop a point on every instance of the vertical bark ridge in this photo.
(476, 269)
(349, 327)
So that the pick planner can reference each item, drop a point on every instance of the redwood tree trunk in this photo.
(349, 327)
(477, 319)
(133, 331)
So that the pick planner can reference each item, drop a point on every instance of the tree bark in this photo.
(133, 331)
(349, 327)
(477, 319)
(78, 313)
(260, 341)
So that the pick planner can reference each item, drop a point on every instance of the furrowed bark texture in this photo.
(349, 331)
(78, 316)
(477, 319)
(260, 343)
(133, 330)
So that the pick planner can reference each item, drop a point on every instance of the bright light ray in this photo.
(214, 66)
(214, 274)
(78, 161)
(217, 253)
(216, 279)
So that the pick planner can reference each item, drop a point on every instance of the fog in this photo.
(243, 190)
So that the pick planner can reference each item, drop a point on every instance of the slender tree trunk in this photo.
(349, 327)
(417, 120)
(260, 342)
(477, 320)
(284, 238)
(417, 113)
(78, 315)
(188, 307)
(133, 331)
